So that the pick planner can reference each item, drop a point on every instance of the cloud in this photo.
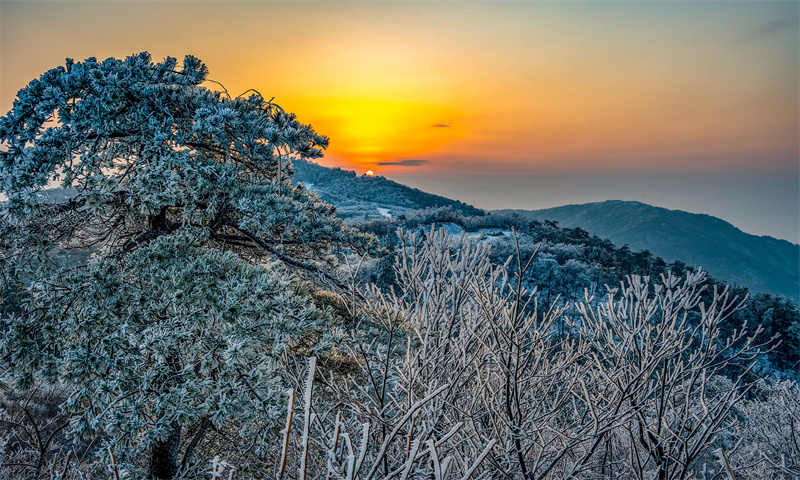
(405, 163)
(770, 28)
(440, 125)
(775, 26)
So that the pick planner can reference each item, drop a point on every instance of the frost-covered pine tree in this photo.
(200, 238)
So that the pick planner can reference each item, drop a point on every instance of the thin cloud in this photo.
(441, 125)
(768, 29)
(405, 163)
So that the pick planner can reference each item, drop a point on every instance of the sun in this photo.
(369, 173)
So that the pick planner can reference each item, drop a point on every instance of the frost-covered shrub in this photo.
(631, 388)
(32, 431)
(766, 440)
(658, 350)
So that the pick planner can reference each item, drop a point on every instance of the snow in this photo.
(488, 234)
(384, 212)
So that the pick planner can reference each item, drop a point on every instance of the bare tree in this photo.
(475, 329)
(659, 348)
(767, 438)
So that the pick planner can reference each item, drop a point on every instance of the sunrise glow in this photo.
(428, 91)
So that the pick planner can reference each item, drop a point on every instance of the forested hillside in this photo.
(570, 263)
(359, 198)
(761, 263)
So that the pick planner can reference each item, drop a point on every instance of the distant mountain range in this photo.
(362, 198)
(760, 263)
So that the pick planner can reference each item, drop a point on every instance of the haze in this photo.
(503, 105)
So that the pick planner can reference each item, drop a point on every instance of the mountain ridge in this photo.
(362, 198)
(759, 262)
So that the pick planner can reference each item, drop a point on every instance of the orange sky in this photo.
(490, 88)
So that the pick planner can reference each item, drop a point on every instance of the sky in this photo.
(684, 105)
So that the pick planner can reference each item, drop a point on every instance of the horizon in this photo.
(689, 106)
(577, 195)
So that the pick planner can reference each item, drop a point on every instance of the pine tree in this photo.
(184, 195)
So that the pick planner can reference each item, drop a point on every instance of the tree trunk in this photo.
(164, 457)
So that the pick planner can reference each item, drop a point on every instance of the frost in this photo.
(201, 250)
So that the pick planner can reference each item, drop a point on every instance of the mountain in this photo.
(362, 198)
(761, 263)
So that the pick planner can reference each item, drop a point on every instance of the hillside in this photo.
(362, 198)
(761, 263)
(569, 262)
